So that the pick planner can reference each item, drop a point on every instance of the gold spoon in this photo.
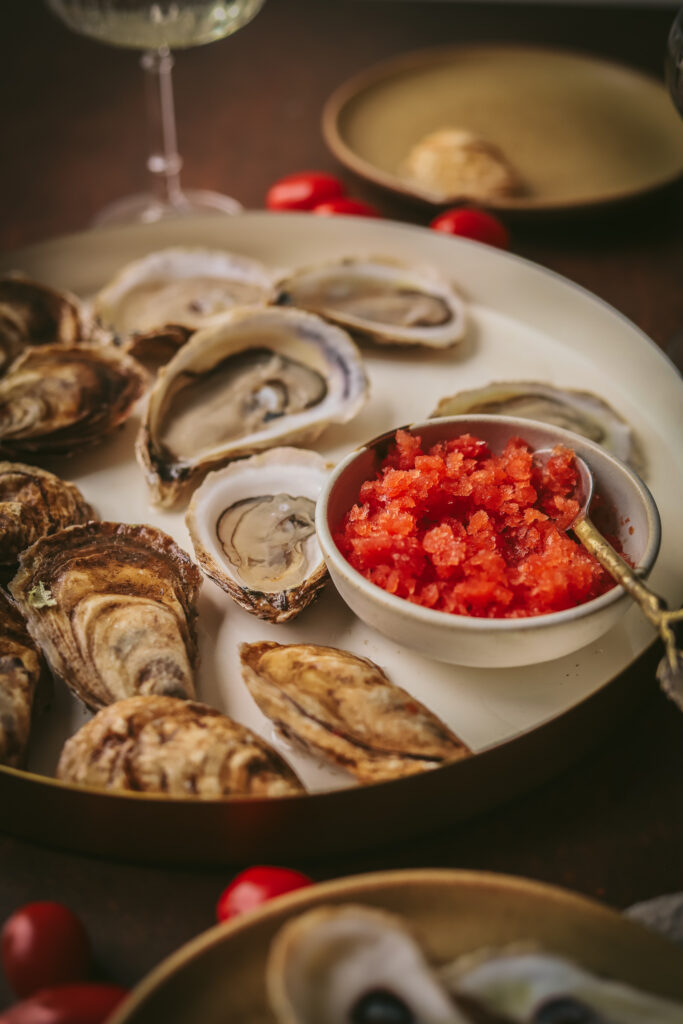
(670, 668)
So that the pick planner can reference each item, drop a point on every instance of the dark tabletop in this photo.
(248, 112)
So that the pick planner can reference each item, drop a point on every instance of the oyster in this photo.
(154, 744)
(379, 299)
(21, 668)
(262, 377)
(534, 987)
(341, 965)
(154, 304)
(344, 708)
(252, 525)
(453, 163)
(580, 411)
(59, 398)
(33, 314)
(113, 608)
(34, 503)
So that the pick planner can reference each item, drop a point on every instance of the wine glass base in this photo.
(145, 208)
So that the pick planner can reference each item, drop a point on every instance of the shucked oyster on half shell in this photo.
(21, 669)
(155, 303)
(252, 525)
(260, 378)
(112, 606)
(379, 299)
(344, 709)
(34, 314)
(34, 503)
(59, 399)
(180, 748)
(580, 411)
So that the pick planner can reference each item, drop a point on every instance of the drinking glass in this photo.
(674, 62)
(157, 27)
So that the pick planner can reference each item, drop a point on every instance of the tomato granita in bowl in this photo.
(447, 537)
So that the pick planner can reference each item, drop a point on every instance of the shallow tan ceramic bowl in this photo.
(491, 643)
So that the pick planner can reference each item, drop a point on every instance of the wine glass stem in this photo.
(164, 161)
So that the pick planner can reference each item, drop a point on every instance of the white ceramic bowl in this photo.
(468, 640)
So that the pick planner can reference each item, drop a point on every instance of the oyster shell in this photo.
(262, 377)
(34, 503)
(344, 708)
(328, 964)
(33, 314)
(21, 669)
(155, 744)
(252, 525)
(379, 299)
(154, 304)
(112, 607)
(59, 399)
(533, 986)
(580, 411)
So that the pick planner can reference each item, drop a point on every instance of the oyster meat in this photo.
(344, 709)
(33, 314)
(21, 669)
(34, 503)
(262, 377)
(180, 748)
(380, 300)
(252, 525)
(112, 606)
(59, 399)
(453, 163)
(154, 304)
(340, 965)
(580, 411)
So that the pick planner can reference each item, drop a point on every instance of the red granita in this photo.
(464, 531)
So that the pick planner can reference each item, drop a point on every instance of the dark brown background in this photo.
(249, 110)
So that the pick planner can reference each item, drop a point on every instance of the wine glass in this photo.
(157, 27)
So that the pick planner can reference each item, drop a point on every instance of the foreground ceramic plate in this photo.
(580, 130)
(525, 724)
(219, 976)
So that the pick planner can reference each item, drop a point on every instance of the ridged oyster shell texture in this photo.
(21, 669)
(113, 608)
(179, 748)
(262, 377)
(32, 314)
(252, 526)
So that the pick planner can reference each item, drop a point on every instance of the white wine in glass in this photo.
(157, 28)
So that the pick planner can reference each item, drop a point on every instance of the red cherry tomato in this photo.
(470, 223)
(352, 206)
(303, 191)
(67, 1004)
(43, 944)
(255, 886)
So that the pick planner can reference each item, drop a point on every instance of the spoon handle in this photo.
(670, 671)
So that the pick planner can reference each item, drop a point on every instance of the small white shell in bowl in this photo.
(491, 642)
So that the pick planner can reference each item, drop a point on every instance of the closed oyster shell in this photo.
(59, 399)
(381, 300)
(34, 503)
(21, 669)
(155, 303)
(154, 744)
(112, 607)
(344, 708)
(262, 377)
(33, 314)
(252, 526)
(322, 966)
(580, 411)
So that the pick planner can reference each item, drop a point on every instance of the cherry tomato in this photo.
(66, 1004)
(344, 205)
(470, 223)
(255, 886)
(43, 944)
(303, 191)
